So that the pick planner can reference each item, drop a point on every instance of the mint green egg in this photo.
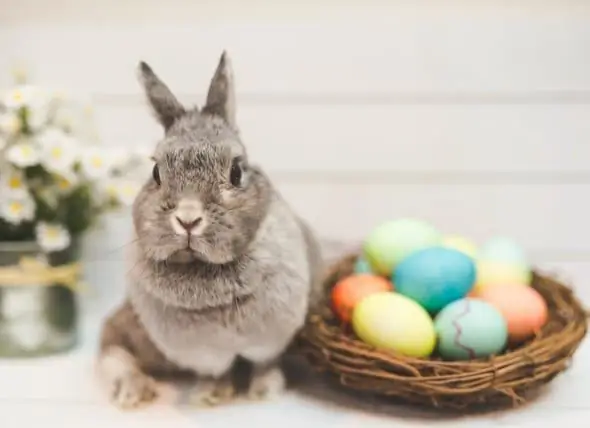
(362, 265)
(503, 250)
(468, 329)
(391, 242)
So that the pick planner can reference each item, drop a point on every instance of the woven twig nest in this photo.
(504, 380)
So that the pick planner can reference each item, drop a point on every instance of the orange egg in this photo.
(524, 309)
(352, 289)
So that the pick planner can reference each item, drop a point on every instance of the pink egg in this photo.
(523, 307)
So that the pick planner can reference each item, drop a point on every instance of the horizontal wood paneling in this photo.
(549, 221)
(382, 140)
(434, 53)
(539, 217)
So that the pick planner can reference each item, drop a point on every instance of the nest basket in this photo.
(505, 380)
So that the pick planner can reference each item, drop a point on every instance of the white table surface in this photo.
(62, 391)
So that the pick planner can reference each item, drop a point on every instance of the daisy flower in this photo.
(23, 154)
(15, 211)
(52, 237)
(13, 185)
(10, 123)
(37, 116)
(23, 96)
(96, 164)
(59, 151)
(122, 191)
(65, 181)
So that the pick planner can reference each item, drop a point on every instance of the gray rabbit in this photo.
(221, 267)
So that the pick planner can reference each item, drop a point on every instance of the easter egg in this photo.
(524, 309)
(393, 322)
(362, 266)
(503, 250)
(435, 277)
(352, 289)
(490, 273)
(388, 244)
(469, 329)
(459, 243)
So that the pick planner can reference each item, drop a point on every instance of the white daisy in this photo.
(122, 191)
(59, 151)
(96, 164)
(23, 96)
(52, 237)
(37, 116)
(23, 154)
(13, 184)
(65, 181)
(10, 123)
(17, 210)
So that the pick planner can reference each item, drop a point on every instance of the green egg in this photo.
(389, 243)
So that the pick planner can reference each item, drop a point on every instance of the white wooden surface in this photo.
(474, 115)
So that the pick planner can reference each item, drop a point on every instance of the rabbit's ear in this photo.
(221, 97)
(164, 104)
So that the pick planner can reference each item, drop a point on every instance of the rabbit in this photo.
(221, 267)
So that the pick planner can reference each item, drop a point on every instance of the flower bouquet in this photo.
(56, 182)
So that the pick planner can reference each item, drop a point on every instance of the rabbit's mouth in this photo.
(186, 255)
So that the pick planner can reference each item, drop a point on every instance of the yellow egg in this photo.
(390, 321)
(490, 273)
(460, 243)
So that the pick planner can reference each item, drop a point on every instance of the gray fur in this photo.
(164, 104)
(244, 286)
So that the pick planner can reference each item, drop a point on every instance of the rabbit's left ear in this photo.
(221, 99)
(165, 106)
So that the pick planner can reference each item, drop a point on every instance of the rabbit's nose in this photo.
(189, 225)
(188, 218)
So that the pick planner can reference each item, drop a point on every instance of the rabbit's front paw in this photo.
(132, 390)
(213, 392)
(266, 383)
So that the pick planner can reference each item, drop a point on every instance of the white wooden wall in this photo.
(475, 115)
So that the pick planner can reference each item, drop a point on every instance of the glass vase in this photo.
(36, 319)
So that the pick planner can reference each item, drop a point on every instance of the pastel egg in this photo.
(349, 291)
(459, 243)
(468, 329)
(393, 322)
(435, 277)
(388, 244)
(504, 250)
(362, 266)
(524, 309)
(490, 273)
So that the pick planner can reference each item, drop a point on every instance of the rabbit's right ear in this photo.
(164, 104)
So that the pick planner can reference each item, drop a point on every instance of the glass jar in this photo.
(36, 319)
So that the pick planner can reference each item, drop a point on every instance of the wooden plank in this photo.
(434, 53)
(539, 217)
(382, 140)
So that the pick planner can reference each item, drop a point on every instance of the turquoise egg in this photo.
(362, 266)
(468, 329)
(435, 277)
(503, 250)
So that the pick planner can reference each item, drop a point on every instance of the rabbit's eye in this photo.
(235, 175)
(156, 175)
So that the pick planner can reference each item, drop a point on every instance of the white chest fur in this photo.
(209, 344)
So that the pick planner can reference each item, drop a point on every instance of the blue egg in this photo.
(470, 328)
(362, 266)
(435, 277)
